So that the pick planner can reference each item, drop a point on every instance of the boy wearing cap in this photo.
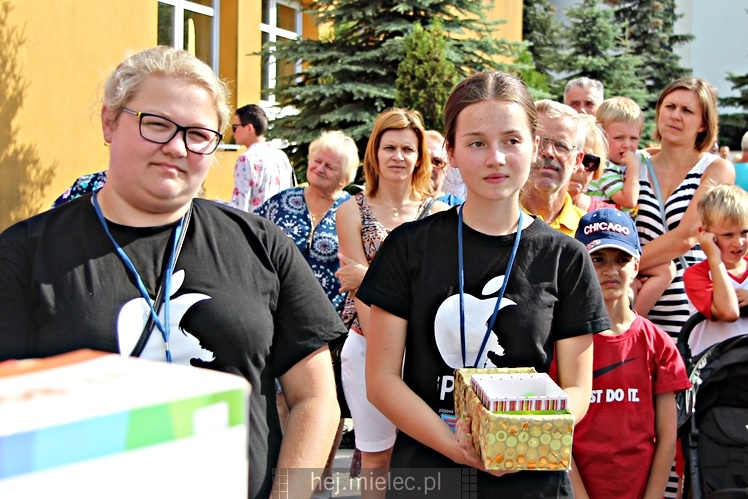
(717, 287)
(625, 445)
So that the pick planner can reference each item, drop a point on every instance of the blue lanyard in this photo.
(461, 264)
(164, 326)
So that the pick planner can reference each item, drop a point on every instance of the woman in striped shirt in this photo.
(671, 184)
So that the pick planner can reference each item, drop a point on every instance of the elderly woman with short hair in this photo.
(307, 214)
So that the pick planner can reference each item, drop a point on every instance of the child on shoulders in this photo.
(717, 287)
(625, 445)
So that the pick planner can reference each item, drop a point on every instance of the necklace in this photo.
(395, 211)
(315, 216)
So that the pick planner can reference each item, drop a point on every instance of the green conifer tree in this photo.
(542, 31)
(648, 25)
(732, 125)
(425, 76)
(349, 77)
(595, 50)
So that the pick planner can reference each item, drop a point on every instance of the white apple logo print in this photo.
(184, 347)
(477, 316)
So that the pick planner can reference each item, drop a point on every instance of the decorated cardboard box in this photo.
(530, 439)
(518, 392)
(93, 425)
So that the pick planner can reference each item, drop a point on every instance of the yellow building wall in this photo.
(54, 58)
(57, 55)
(511, 12)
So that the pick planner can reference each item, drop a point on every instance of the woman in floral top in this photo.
(307, 214)
(84, 185)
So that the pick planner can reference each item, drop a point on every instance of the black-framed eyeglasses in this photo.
(438, 163)
(590, 162)
(235, 126)
(160, 130)
(561, 147)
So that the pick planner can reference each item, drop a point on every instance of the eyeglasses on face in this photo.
(561, 147)
(438, 163)
(160, 130)
(590, 162)
(235, 126)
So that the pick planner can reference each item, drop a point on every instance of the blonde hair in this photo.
(398, 119)
(435, 136)
(620, 110)
(126, 79)
(723, 203)
(595, 140)
(707, 95)
(342, 146)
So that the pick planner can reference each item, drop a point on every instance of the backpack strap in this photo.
(661, 203)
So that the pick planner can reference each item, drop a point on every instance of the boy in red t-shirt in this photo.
(625, 445)
(717, 287)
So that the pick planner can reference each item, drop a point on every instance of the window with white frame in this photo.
(192, 26)
(281, 20)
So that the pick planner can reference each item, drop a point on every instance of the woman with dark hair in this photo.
(673, 181)
(483, 273)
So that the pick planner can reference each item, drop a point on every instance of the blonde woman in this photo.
(593, 162)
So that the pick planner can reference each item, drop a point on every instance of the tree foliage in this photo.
(349, 77)
(595, 50)
(544, 33)
(733, 125)
(425, 76)
(648, 28)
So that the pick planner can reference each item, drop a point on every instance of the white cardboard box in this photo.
(93, 425)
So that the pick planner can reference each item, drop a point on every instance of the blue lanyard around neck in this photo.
(163, 326)
(461, 263)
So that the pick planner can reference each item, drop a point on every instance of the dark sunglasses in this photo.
(438, 163)
(590, 162)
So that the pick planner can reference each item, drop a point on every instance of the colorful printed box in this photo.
(92, 425)
(518, 392)
(514, 440)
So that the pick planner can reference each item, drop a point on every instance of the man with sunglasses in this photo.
(263, 170)
(440, 168)
(560, 154)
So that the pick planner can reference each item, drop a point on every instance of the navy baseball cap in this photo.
(609, 228)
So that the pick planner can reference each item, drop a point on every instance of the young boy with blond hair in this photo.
(623, 121)
(625, 445)
(718, 286)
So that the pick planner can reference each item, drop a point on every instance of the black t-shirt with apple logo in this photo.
(552, 294)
